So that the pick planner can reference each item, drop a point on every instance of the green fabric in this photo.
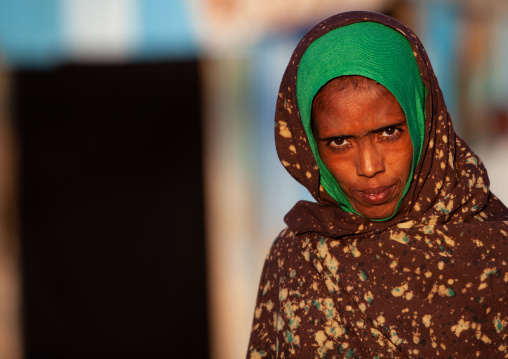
(371, 50)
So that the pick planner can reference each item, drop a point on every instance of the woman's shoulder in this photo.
(289, 241)
(289, 250)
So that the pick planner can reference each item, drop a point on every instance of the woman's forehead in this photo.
(349, 90)
(347, 84)
(355, 112)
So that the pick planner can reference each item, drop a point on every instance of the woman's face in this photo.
(363, 139)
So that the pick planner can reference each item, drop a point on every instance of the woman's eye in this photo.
(390, 131)
(338, 142)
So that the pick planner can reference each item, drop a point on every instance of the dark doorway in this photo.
(112, 212)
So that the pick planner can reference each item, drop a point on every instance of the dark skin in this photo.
(363, 139)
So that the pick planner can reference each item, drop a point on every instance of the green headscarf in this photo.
(374, 51)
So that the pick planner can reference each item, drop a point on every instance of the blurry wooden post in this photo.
(474, 55)
(10, 342)
(229, 209)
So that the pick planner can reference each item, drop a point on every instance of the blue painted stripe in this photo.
(165, 30)
(441, 23)
(30, 32)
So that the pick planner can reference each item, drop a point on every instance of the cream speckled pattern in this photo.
(432, 282)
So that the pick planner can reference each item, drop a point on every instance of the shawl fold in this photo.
(430, 282)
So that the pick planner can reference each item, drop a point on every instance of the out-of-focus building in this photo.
(242, 47)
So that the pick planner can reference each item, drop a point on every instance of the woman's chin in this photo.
(376, 211)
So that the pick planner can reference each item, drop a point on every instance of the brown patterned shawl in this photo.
(430, 282)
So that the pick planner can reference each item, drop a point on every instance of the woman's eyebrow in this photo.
(377, 130)
(335, 136)
(381, 129)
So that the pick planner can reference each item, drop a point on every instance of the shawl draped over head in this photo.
(431, 281)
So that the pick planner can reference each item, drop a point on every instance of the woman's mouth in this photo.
(375, 195)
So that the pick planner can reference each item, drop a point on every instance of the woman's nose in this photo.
(369, 161)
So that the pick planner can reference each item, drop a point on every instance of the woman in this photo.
(405, 253)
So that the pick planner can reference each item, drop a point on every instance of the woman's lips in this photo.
(375, 195)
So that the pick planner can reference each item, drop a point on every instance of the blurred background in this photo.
(140, 189)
